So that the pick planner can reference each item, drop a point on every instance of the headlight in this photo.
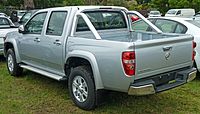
(2, 38)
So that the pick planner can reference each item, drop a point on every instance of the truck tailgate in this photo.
(162, 55)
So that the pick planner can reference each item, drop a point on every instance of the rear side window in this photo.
(166, 25)
(170, 26)
(181, 29)
(102, 20)
(56, 23)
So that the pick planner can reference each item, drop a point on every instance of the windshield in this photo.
(21, 13)
(171, 12)
(155, 13)
(26, 16)
(194, 22)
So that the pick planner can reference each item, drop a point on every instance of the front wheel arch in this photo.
(12, 65)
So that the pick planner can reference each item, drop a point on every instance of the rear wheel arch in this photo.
(74, 62)
(87, 59)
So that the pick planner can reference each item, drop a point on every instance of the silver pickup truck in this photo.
(95, 49)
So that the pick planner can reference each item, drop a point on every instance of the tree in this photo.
(195, 4)
(179, 4)
(161, 5)
(16, 3)
(29, 4)
(74, 2)
(48, 3)
(142, 1)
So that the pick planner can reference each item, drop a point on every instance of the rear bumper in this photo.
(162, 82)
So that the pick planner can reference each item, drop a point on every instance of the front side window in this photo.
(35, 25)
(56, 23)
(179, 12)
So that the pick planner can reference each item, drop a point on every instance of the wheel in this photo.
(82, 88)
(12, 65)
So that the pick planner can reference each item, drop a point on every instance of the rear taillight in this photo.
(128, 61)
(194, 44)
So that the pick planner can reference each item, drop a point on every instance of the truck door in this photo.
(31, 39)
(53, 42)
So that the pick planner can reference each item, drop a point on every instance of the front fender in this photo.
(13, 42)
(91, 58)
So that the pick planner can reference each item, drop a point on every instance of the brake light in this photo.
(128, 61)
(194, 44)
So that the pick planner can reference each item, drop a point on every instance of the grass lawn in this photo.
(36, 94)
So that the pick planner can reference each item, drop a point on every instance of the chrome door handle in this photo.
(37, 40)
(167, 48)
(57, 42)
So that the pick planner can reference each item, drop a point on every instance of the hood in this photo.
(3, 32)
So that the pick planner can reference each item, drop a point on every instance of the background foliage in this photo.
(161, 5)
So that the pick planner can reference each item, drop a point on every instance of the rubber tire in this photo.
(86, 73)
(17, 70)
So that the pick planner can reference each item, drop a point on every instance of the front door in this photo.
(30, 40)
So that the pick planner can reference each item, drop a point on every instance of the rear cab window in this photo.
(106, 22)
(103, 20)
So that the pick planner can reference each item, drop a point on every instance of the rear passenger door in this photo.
(54, 40)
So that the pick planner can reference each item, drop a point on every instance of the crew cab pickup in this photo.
(94, 48)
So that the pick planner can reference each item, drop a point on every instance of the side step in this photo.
(42, 72)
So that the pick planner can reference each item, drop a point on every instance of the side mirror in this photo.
(20, 22)
(21, 29)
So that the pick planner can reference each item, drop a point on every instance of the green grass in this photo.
(36, 94)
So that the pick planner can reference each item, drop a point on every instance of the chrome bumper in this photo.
(142, 90)
(147, 87)
(191, 76)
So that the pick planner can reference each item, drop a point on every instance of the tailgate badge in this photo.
(167, 55)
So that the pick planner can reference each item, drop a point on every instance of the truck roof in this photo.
(84, 7)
